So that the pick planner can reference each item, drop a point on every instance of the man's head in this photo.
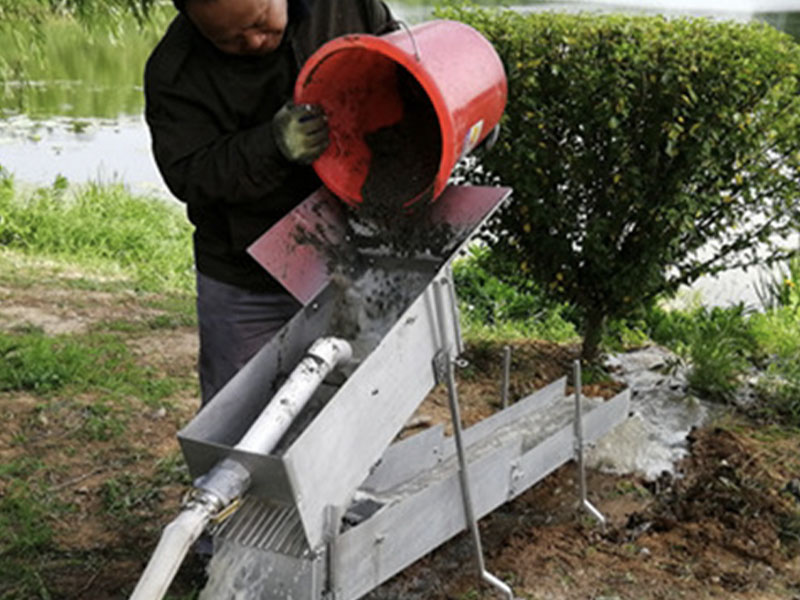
(241, 27)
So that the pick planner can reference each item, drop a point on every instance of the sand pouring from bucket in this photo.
(408, 104)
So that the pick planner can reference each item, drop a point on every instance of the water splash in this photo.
(663, 413)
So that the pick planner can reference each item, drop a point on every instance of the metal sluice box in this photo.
(338, 508)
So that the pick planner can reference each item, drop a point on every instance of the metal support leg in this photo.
(333, 519)
(466, 496)
(584, 501)
(506, 374)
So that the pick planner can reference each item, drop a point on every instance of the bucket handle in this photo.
(413, 39)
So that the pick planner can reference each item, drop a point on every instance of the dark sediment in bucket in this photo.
(405, 155)
(398, 189)
(395, 218)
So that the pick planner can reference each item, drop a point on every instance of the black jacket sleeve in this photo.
(200, 163)
(379, 17)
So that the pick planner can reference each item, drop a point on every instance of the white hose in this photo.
(267, 430)
(175, 542)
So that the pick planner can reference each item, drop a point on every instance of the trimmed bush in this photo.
(633, 142)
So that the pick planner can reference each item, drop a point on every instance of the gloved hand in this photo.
(301, 132)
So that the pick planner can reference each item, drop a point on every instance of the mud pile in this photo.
(728, 496)
(405, 155)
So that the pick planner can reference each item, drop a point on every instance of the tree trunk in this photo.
(593, 326)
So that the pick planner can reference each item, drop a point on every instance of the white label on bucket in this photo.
(472, 137)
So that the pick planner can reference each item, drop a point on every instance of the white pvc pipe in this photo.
(267, 430)
(262, 436)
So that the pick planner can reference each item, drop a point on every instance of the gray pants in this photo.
(234, 324)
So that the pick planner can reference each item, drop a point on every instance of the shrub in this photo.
(633, 142)
(721, 346)
(780, 290)
(718, 343)
(494, 308)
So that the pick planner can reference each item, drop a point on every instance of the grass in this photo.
(70, 364)
(781, 289)
(78, 405)
(100, 228)
(726, 348)
(92, 393)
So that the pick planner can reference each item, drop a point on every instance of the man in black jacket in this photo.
(231, 145)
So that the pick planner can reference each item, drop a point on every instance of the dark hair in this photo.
(181, 4)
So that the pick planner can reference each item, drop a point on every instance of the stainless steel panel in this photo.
(400, 534)
(503, 464)
(294, 251)
(546, 455)
(537, 402)
(265, 525)
(597, 423)
(231, 412)
(303, 249)
(406, 459)
(269, 477)
(335, 453)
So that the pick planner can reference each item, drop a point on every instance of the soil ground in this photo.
(727, 527)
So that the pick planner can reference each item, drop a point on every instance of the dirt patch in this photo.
(58, 311)
(725, 529)
(174, 354)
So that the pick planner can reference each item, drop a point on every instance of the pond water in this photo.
(78, 114)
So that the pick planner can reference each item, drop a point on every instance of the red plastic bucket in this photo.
(362, 83)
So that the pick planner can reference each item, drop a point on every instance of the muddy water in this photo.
(663, 413)
(240, 573)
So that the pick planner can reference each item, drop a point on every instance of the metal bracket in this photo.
(225, 512)
(440, 360)
(443, 357)
(506, 375)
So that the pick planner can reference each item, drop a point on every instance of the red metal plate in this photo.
(300, 250)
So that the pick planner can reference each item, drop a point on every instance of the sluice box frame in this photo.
(341, 506)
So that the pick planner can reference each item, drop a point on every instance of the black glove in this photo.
(301, 132)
